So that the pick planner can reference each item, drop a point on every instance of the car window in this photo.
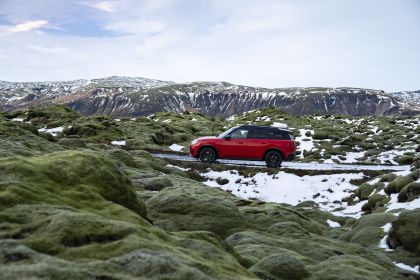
(258, 133)
(227, 132)
(268, 133)
(239, 133)
(280, 135)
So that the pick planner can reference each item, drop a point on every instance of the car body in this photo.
(250, 142)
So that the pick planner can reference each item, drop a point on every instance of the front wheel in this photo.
(208, 155)
(273, 159)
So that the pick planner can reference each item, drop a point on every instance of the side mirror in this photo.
(227, 137)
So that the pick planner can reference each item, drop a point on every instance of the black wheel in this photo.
(208, 155)
(273, 159)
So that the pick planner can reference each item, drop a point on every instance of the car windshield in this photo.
(227, 132)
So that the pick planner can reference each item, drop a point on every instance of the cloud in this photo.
(27, 26)
(105, 6)
(270, 43)
(136, 26)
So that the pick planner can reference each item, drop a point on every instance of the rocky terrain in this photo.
(82, 197)
(124, 96)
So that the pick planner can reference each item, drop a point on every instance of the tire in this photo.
(273, 159)
(208, 155)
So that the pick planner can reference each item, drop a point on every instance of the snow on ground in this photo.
(17, 120)
(177, 167)
(407, 267)
(118, 143)
(305, 143)
(263, 119)
(53, 131)
(351, 157)
(395, 205)
(176, 147)
(382, 242)
(279, 125)
(326, 190)
(333, 224)
(167, 121)
(390, 155)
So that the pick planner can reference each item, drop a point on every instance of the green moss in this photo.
(280, 266)
(405, 159)
(405, 231)
(77, 179)
(410, 192)
(189, 208)
(367, 230)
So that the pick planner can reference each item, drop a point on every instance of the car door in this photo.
(234, 144)
(257, 142)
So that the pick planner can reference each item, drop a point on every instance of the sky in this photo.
(267, 43)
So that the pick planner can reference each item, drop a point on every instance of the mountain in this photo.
(408, 96)
(125, 96)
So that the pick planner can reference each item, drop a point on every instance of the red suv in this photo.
(251, 142)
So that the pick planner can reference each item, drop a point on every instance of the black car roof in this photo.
(263, 126)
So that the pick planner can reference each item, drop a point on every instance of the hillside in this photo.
(124, 96)
(84, 197)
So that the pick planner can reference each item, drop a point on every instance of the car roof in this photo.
(263, 126)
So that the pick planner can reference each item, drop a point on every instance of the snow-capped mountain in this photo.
(125, 96)
(408, 96)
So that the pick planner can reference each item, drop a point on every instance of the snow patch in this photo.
(176, 147)
(407, 267)
(53, 131)
(118, 143)
(333, 224)
(326, 190)
(17, 120)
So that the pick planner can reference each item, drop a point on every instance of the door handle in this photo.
(263, 143)
(240, 142)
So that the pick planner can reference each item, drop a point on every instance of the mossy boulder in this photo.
(405, 231)
(280, 267)
(192, 208)
(364, 191)
(375, 201)
(73, 143)
(88, 179)
(396, 185)
(405, 159)
(368, 229)
(155, 183)
(77, 211)
(410, 192)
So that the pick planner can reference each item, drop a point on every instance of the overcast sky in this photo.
(269, 43)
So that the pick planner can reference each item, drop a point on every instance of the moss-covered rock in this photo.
(280, 266)
(77, 211)
(405, 159)
(189, 208)
(405, 231)
(155, 183)
(410, 192)
(368, 229)
(78, 179)
(396, 185)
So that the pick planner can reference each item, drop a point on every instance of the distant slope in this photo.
(124, 96)
(408, 96)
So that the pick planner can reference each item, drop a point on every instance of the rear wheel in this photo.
(273, 159)
(208, 155)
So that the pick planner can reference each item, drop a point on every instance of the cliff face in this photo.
(137, 96)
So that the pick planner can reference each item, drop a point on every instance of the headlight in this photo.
(193, 142)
